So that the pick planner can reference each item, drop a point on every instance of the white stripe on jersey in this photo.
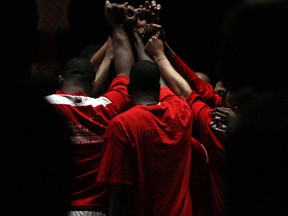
(74, 100)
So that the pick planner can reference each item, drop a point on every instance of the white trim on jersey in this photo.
(74, 100)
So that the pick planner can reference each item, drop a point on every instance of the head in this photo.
(144, 82)
(242, 100)
(203, 77)
(46, 79)
(221, 90)
(78, 75)
(89, 51)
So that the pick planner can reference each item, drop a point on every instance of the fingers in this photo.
(218, 127)
(147, 5)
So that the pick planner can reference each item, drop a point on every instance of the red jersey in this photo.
(213, 141)
(88, 119)
(200, 186)
(149, 147)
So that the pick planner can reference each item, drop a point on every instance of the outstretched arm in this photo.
(116, 15)
(141, 53)
(103, 73)
(173, 79)
(98, 56)
(203, 88)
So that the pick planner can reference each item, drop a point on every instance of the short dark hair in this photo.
(46, 79)
(80, 67)
(89, 51)
(144, 76)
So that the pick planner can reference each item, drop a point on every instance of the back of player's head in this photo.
(144, 76)
(79, 67)
(89, 51)
(46, 79)
(203, 76)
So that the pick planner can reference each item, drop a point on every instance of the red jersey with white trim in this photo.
(88, 119)
(150, 147)
(213, 141)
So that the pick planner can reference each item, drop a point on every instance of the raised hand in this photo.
(150, 29)
(221, 117)
(155, 48)
(116, 14)
(149, 13)
(121, 14)
(132, 16)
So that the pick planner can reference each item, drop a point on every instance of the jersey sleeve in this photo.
(118, 95)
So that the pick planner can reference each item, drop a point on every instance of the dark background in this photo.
(192, 29)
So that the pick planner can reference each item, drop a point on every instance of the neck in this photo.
(71, 87)
(145, 100)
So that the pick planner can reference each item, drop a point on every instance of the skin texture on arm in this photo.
(123, 53)
(148, 14)
(173, 79)
(141, 53)
(140, 48)
(98, 56)
(102, 74)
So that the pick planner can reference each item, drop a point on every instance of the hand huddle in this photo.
(143, 19)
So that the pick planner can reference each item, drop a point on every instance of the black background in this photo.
(192, 29)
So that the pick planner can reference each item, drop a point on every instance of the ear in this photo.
(61, 80)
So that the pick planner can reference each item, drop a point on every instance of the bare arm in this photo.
(140, 48)
(123, 53)
(98, 57)
(142, 55)
(103, 73)
(173, 79)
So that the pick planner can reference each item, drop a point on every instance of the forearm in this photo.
(172, 78)
(123, 54)
(189, 75)
(201, 87)
(140, 48)
(98, 57)
(102, 77)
